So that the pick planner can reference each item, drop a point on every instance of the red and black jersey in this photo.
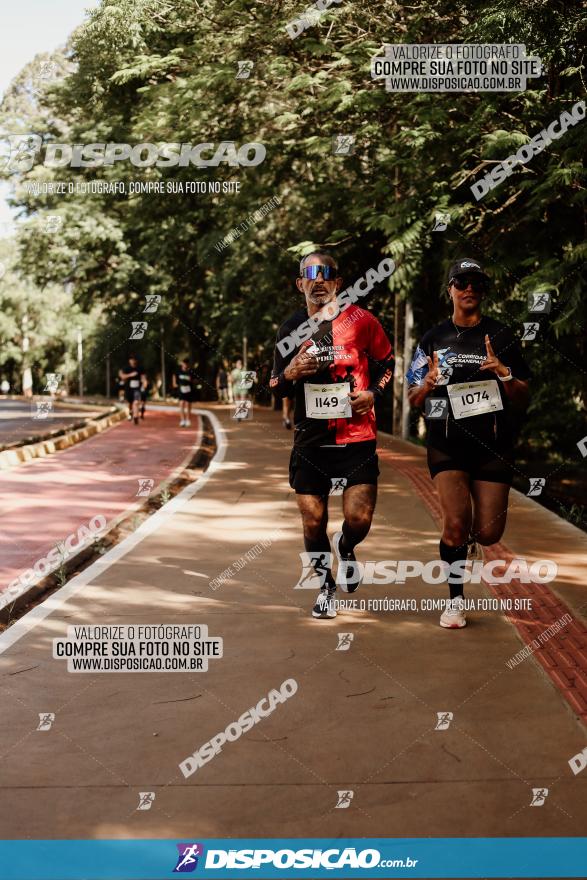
(353, 348)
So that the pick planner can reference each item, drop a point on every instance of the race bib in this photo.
(474, 398)
(185, 389)
(134, 383)
(329, 401)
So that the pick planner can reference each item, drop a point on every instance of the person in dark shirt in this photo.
(470, 374)
(222, 384)
(333, 377)
(184, 380)
(135, 385)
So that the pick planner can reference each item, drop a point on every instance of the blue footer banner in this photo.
(294, 857)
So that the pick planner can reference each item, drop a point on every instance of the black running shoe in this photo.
(348, 576)
(324, 607)
(136, 420)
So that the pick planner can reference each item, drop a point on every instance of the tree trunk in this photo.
(398, 378)
(408, 347)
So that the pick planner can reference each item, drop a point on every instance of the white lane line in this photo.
(150, 525)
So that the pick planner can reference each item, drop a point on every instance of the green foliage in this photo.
(154, 71)
(47, 317)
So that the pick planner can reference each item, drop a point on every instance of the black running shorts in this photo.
(480, 462)
(318, 470)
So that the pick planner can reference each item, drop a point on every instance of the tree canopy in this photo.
(151, 71)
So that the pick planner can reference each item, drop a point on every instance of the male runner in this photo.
(184, 379)
(222, 384)
(144, 393)
(472, 369)
(333, 378)
(286, 404)
(135, 383)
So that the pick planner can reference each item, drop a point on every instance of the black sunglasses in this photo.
(477, 282)
(329, 273)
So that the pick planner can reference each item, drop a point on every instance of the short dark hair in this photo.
(317, 254)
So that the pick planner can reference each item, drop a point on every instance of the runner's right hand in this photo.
(302, 365)
(431, 377)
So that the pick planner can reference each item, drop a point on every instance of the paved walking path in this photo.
(362, 720)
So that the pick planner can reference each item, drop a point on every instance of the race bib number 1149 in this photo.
(329, 401)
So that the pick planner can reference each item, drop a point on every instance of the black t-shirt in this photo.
(133, 382)
(461, 351)
(185, 380)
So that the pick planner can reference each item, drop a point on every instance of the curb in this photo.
(62, 439)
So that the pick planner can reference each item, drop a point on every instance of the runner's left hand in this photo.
(362, 402)
(492, 362)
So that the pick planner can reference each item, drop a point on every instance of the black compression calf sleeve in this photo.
(351, 537)
(449, 555)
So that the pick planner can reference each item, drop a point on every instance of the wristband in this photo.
(507, 378)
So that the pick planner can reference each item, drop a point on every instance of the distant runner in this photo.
(184, 379)
(286, 408)
(222, 384)
(472, 370)
(144, 393)
(237, 381)
(334, 377)
(135, 385)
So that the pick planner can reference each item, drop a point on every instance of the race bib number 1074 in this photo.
(474, 398)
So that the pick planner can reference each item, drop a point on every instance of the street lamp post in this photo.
(27, 376)
(80, 367)
(408, 346)
(163, 383)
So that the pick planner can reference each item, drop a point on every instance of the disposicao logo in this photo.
(187, 860)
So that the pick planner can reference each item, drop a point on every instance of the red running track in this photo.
(45, 500)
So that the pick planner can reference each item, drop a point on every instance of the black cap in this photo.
(464, 266)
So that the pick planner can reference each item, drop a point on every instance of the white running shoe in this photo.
(325, 607)
(181, 423)
(453, 616)
(187, 423)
